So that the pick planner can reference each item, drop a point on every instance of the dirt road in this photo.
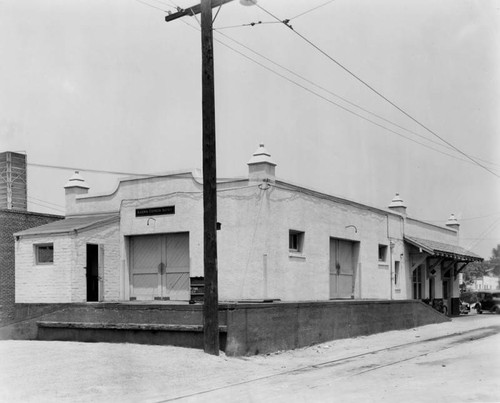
(457, 361)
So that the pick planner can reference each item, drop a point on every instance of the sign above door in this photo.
(146, 212)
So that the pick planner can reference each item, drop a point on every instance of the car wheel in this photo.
(496, 310)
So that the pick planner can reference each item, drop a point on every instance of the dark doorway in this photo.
(92, 272)
(431, 287)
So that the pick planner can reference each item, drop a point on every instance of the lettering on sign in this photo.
(145, 212)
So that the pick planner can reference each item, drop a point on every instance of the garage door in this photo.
(160, 267)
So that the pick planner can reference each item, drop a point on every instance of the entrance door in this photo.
(160, 267)
(431, 287)
(341, 268)
(92, 272)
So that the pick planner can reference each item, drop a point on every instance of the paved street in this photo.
(451, 362)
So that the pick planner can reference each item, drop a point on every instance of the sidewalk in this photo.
(38, 371)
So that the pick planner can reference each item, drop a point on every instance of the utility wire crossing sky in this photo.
(360, 99)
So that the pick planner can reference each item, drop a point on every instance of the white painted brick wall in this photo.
(65, 280)
(43, 283)
(254, 222)
(108, 236)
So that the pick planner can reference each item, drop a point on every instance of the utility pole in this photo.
(211, 299)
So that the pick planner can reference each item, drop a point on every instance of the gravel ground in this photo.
(38, 371)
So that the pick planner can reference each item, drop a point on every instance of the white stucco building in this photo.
(144, 241)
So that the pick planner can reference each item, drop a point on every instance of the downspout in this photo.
(402, 265)
(391, 247)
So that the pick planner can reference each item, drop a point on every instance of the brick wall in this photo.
(46, 283)
(108, 236)
(64, 281)
(12, 221)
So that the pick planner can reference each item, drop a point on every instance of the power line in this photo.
(330, 101)
(339, 96)
(252, 24)
(44, 206)
(157, 175)
(44, 201)
(286, 23)
(469, 218)
(86, 170)
(311, 9)
(168, 4)
(483, 235)
(150, 5)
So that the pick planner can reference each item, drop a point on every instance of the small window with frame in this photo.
(396, 273)
(296, 241)
(382, 253)
(44, 254)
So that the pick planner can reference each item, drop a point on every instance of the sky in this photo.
(108, 85)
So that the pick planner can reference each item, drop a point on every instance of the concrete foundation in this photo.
(245, 328)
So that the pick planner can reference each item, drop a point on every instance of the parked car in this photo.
(483, 300)
(464, 308)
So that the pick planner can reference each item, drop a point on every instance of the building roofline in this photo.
(338, 199)
(454, 231)
(110, 219)
(32, 213)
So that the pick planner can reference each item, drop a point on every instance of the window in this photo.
(396, 273)
(382, 253)
(417, 283)
(296, 241)
(44, 253)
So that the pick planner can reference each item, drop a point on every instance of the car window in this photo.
(469, 297)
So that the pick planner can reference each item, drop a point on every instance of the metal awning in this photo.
(445, 250)
(71, 224)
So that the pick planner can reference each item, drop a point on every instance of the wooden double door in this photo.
(160, 267)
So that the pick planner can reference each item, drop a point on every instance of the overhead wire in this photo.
(312, 9)
(252, 24)
(339, 96)
(150, 5)
(165, 3)
(286, 22)
(44, 201)
(483, 234)
(86, 170)
(332, 93)
(45, 206)
(329, 100)
(469, 218)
